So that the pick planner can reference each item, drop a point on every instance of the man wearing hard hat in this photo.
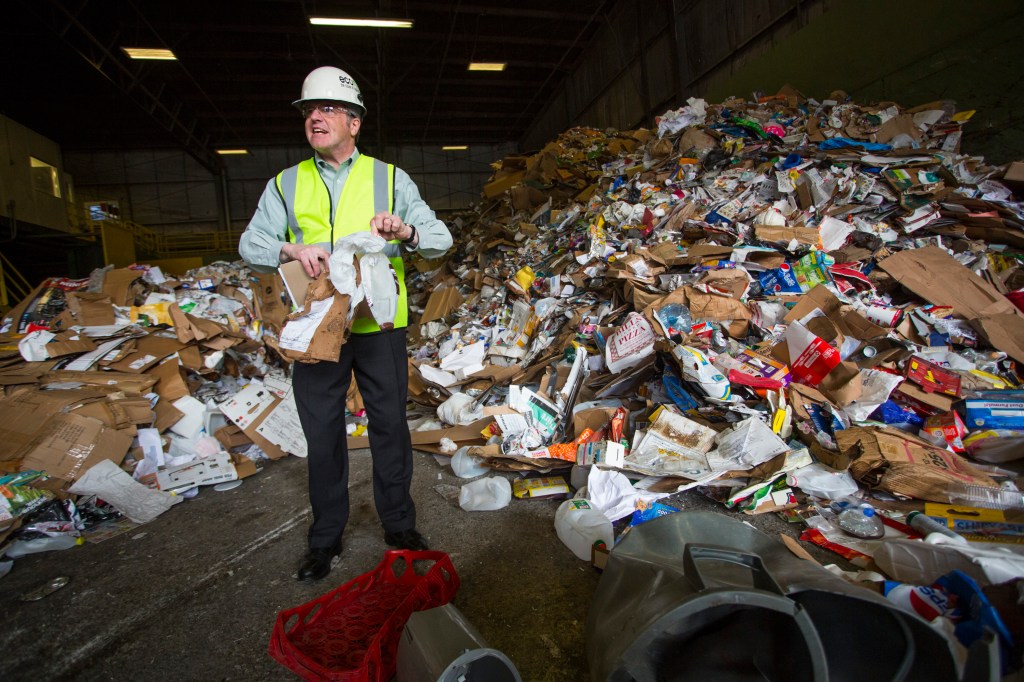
(302, 213)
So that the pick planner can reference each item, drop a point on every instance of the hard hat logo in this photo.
(332, 84)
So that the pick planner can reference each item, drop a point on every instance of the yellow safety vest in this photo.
(368, 190)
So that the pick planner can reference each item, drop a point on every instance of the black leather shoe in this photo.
(318, 562)
(406, 539)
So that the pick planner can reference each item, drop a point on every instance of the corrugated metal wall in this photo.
(650, 57)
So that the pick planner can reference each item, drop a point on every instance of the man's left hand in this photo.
(389, 226)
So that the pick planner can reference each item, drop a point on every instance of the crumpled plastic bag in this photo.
(33, 346)
(360, 269)
(459, 409)
(613, 494)
(114, 485)
(486, 494)
(380, 287)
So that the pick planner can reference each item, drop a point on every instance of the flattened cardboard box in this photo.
(440, 303)
(935, 276)
(24, 416)
(91, 308)
(133, 383)
(170, 384)
(68, 445)
(902, 464)
(117, 285)
(149, 350)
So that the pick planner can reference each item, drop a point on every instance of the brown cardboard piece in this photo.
(332, 331)
(902, 464)
(1014, 176)
(244, 467)
(778, 234)
(734, 282)
(91, 309)
(268, 290)
(117, 285)
(668, 253)
(714, 307)
(123, 380)
(594, 418)
(849, 322)
(69, 444)
(230, 436)
(167, 415)
(938, 401)
(170, 384)
(640, 297)
(149, 350)
(501, 184)
(441, 303)
(119, 412)
(69, 343)
(935, 276)
(455, 433)
(296, 282)
(695, 138)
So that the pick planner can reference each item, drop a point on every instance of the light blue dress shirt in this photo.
(267, 232)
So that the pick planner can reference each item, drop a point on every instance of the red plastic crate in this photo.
(351, 633)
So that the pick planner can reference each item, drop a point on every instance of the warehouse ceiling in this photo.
(241, 64)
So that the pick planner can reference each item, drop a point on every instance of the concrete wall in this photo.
(651, 56)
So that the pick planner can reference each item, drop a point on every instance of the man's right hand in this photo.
(309, 255)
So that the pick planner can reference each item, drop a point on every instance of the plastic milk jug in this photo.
(580, 526)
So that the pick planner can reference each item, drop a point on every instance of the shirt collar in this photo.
(323, 165)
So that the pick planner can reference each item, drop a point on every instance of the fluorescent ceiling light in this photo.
(149, 53)
(454, 147)
(232, 151)
(368, 23)
(487, 66)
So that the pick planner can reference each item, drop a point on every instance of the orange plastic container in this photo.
(351, 633)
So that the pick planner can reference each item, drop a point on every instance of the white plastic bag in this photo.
(486, 494)
(459, 409)
(466, 465)
(375, 284)
(380, 287)
(820, 481)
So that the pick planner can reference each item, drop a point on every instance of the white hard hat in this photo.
(331, 83)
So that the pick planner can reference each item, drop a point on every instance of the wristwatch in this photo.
(412, 235)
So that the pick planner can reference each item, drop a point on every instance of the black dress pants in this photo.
(380, 364)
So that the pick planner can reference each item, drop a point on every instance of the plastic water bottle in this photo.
(486, 494)
(466, 465)
(19, 548)
(858, 518)
(579, 526)
(926, 525)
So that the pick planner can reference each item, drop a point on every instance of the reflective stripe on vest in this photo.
(368, 190)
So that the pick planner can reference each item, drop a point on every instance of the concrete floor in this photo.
(193, 595)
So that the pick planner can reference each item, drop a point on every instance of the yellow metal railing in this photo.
(150, 243)
(13, 286)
